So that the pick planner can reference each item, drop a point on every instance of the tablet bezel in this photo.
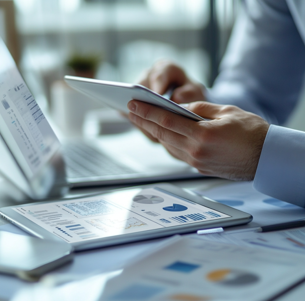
(236, 218)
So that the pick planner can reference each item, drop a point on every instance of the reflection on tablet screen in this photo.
(117, 213)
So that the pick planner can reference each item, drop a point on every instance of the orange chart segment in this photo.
(231, 277)
(218, 275)
(187, 297)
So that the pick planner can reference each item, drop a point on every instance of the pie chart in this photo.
(175, 207)
(148, 199)
(231, 277)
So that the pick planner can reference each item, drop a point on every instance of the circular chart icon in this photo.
(230, 277)
(148, 199)
(175, 207)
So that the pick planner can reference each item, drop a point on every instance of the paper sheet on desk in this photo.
(190, 269)
(290, 240)
(244, 197)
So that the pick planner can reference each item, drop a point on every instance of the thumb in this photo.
(205, 109)
(189, 92)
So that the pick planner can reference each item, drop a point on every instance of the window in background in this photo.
(127, 35)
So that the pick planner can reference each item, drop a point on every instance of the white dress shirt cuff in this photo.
(281, 168)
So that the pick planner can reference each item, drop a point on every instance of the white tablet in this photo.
(117, 95)
(121, 216)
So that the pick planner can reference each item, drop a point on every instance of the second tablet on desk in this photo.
(29, 257)
(121, 216)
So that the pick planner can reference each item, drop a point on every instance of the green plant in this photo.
(84, 63)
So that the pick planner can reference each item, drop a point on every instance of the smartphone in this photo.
(29, 257)
(117, 95)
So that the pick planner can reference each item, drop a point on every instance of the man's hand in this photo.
(165, 74)
(228, 146)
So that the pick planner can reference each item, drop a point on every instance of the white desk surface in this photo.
(103, 259)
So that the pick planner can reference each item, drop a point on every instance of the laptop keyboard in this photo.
(84, 161)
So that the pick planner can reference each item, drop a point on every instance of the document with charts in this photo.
(187, 269)
(192, 269)
(116, 213)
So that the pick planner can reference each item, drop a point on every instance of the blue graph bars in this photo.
(186, 218)
(194, 217)
(72, 226)
(77, 227)
(180, 219)
(213, 214)
(163, 220)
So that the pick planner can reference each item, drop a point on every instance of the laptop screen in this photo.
(23, 126)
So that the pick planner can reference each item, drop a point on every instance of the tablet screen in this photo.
(117, 213)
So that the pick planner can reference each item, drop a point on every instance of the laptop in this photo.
(36, 162)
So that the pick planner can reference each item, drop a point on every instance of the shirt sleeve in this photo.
(263, 68)
(281, 168)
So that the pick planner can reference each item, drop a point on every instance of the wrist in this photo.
(260, 137)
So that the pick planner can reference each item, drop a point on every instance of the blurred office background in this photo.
(120, 38)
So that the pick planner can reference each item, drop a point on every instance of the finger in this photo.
(188, 93)
(163, 135)
(147, 134)
(165, 74)
(177, 145)
(155, 80)
(163, 118)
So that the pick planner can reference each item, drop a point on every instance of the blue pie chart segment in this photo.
(175, 207)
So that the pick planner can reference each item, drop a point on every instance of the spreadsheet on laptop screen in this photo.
(23, 125)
